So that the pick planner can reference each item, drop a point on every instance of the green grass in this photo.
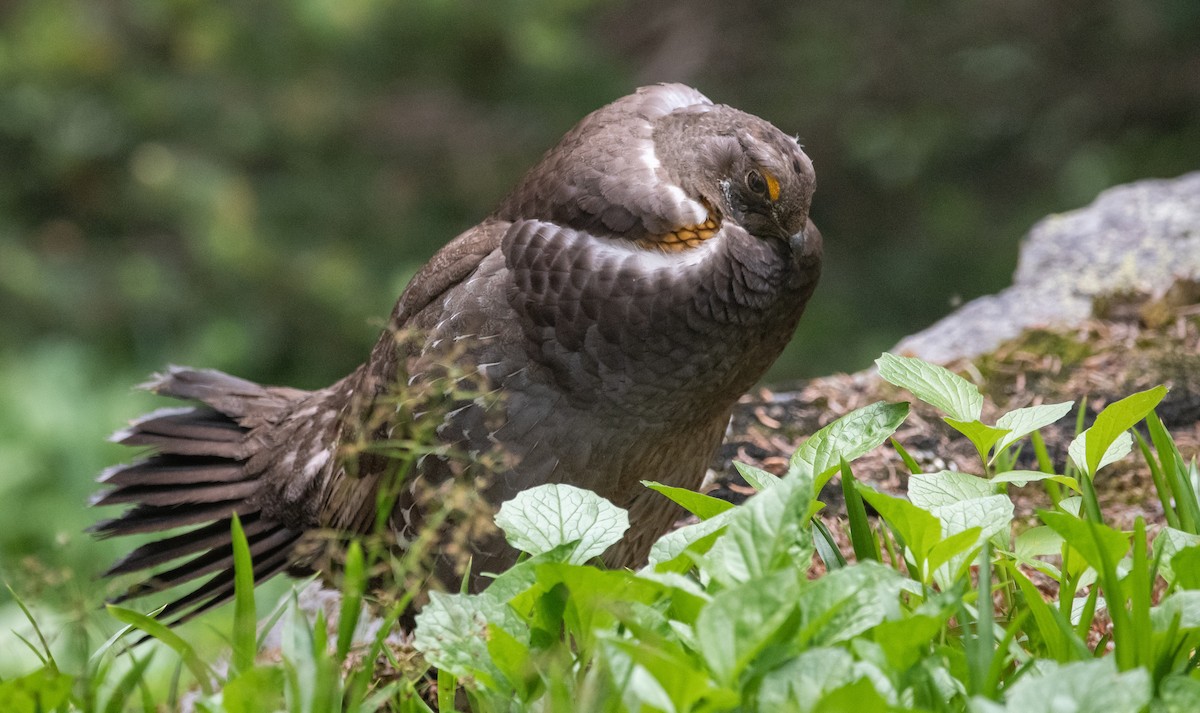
(941, 603)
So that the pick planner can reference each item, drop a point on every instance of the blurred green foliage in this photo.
(248, 186)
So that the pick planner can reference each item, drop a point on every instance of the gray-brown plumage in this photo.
(642, 276)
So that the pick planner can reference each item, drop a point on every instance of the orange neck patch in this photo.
(684, 238)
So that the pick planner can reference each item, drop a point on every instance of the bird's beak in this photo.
(806, 240)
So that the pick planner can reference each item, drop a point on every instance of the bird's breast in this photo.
(615, 325)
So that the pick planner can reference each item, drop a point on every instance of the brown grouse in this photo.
(641, 277)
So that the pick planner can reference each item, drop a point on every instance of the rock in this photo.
(1139, 238)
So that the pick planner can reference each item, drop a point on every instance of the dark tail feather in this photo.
(197, 474)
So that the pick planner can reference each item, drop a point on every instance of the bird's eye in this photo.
(764, 184)
(756, 183)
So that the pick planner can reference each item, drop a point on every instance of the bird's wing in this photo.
(449, 267)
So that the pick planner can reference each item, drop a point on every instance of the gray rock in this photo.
(1140, 237)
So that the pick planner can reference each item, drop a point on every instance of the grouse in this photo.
(642, 276)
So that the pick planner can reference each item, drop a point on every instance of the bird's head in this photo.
(739, 165)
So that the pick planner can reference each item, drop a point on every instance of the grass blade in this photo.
(354, 583)
(245, 615)
(174, 641)
(861, 537)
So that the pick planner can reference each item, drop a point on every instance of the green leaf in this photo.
(1023, 421)
(254, 690)
(1024, 477)
(935, 385)
(770, 531)
(244, 614)
(849, 437)
(906, 641)
(701, 505)
(1038, 541)
(992, 514)
(697, 538)
(927, 490)
(1179, 694)
(452, 631)
(173, 640)
(758, 478)
(1093, 685)
(1118, 449)
(1093, 541)
(1115, 420)
(919, 528)
(847, 602)
(512, 657)
(801, 682)
(675, 675)
(544, 517)
(1167, 544)
(861, 695)
(42, 690)
(1186, 567)
(742, 621)
(950, 547)
(981, 435)
(1183, 605)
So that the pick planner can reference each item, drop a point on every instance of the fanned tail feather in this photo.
(197, 474)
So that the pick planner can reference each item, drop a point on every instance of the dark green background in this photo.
(249, 185)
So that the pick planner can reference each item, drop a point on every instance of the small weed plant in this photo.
(940, 603)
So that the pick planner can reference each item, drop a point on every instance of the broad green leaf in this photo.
(42, 690)
(1023, 421)
(546, 516)
(937, 386)
(861, 695)
(906, 641)
(1120, 447)
(452, 631)
(594, 596)
(1115, 420)
(992, 514)
(1081, 686)
(742, 621)
(671, 545)
(846, 602)
(1024, 477)
(1179, 694)
(919, 528)
(770, 531)
(950, 547)
(1089, 539)
(1038, 541)
(799, 684)
(675, 676)
(1185, 605)
(1186, 566)
(1170, 542)
(758, 478)
(512, 657)
(849, 437)
(927, 490)
(980, 434)
(701, 505)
